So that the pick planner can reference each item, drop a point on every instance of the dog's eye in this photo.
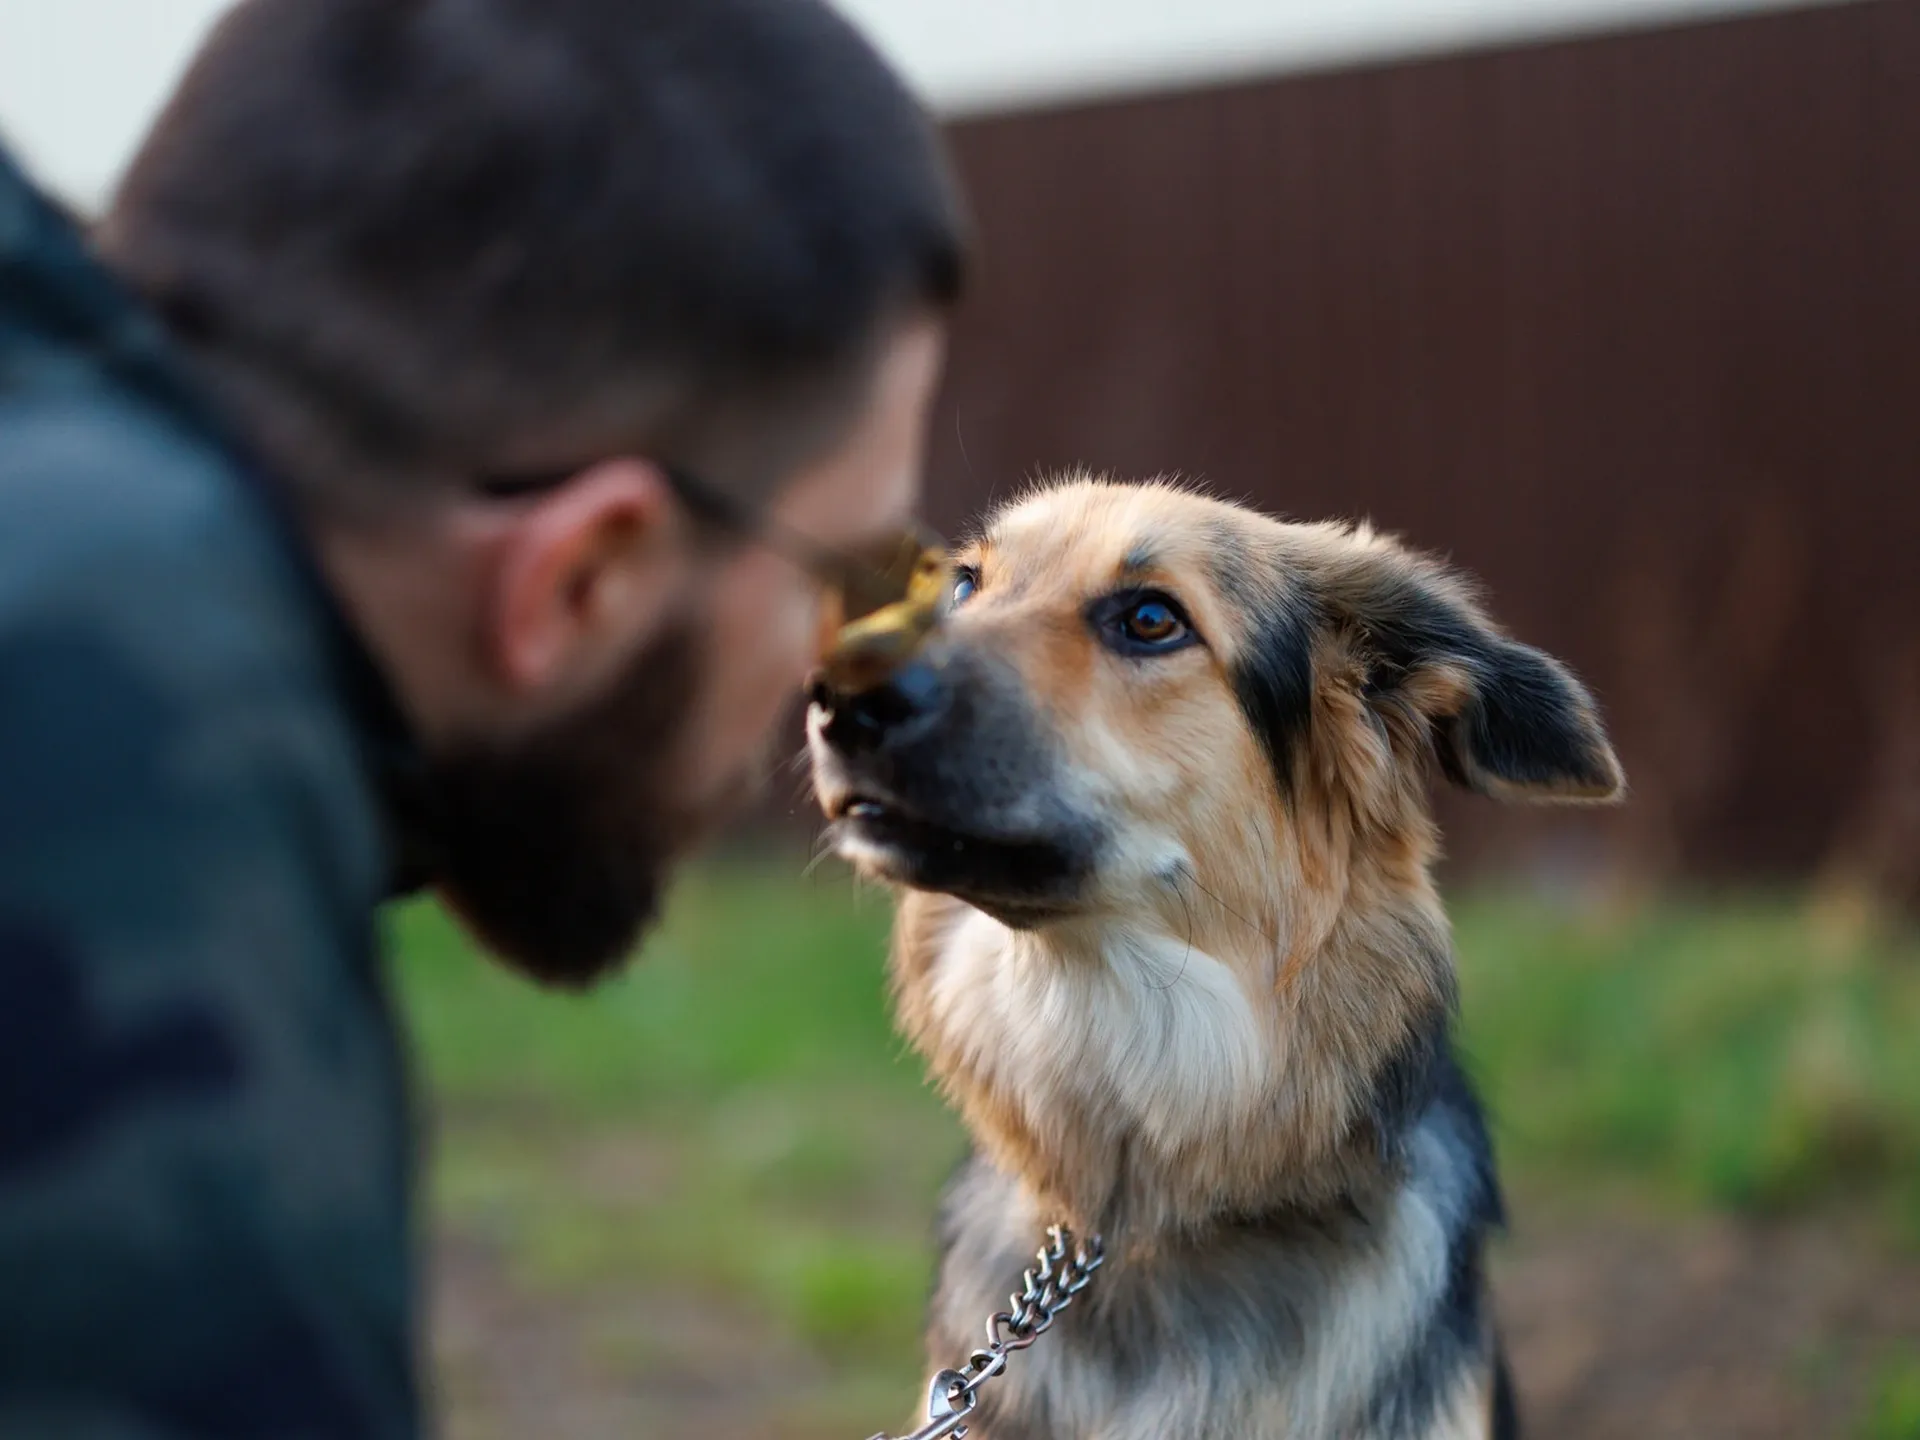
(965, 581)
(1152, 622)
(1142, 622)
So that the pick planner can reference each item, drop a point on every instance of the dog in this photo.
(1156, 800)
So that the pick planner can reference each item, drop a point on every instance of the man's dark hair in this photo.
(434, 237)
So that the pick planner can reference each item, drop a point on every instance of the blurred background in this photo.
(1617, 303)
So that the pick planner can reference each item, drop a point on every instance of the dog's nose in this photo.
(899, 706)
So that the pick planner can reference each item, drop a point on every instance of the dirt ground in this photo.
(1619, 1331)
(1709, 1332)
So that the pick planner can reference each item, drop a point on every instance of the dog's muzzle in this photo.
(941, 776)
(895, 712)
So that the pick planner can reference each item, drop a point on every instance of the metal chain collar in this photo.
(1060, 1273)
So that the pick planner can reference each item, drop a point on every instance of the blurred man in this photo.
(429, 483)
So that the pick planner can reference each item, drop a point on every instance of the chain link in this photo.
(1060, 1272)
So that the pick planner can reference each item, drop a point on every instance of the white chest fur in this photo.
(1144, 1027)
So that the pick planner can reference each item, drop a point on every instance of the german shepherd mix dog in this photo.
(1157, 796)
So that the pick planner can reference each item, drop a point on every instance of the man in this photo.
(452, 505)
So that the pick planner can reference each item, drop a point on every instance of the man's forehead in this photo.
(868, 488)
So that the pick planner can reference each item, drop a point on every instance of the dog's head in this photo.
(1191, 746)
(1141, 687)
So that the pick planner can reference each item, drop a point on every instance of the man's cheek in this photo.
(787, 655)
(763, 643)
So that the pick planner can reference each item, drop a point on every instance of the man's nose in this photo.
(897, 710)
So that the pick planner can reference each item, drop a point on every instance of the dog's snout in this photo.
(898, 707)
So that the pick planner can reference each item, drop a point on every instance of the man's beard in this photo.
(555, 848)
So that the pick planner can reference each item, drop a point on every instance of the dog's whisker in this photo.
(1187, 955)
(1186, 872)
(823, 851)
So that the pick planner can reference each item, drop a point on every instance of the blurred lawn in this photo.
(734, 1117)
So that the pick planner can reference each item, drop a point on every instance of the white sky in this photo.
(80, 79)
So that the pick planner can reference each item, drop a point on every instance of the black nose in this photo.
(899, 707)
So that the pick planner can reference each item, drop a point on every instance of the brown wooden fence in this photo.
(1628, 325)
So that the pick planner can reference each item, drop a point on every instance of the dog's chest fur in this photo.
(1367, 1322)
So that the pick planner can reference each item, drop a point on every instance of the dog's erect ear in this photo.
(1507, 720)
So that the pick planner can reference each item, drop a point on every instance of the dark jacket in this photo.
(205, 1159)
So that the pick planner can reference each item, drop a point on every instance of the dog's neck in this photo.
(1147, 1087)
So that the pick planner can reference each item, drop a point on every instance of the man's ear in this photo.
(1507, 720)
(579, 577)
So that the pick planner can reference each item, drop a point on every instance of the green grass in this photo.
(1749, 1055)
(735, 1118)
(757, 977)
(1894, 1410)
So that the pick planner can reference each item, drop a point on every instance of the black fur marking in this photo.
(1455, 1093)
(1506, 1409)
(1456, 1335)
(1527, 724)
(1407, 624)
(1407, 1084)
(1273, 680)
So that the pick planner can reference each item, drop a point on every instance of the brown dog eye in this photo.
(1152, 622)
(1141, 623)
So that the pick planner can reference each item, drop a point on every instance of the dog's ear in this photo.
(1506, 719)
